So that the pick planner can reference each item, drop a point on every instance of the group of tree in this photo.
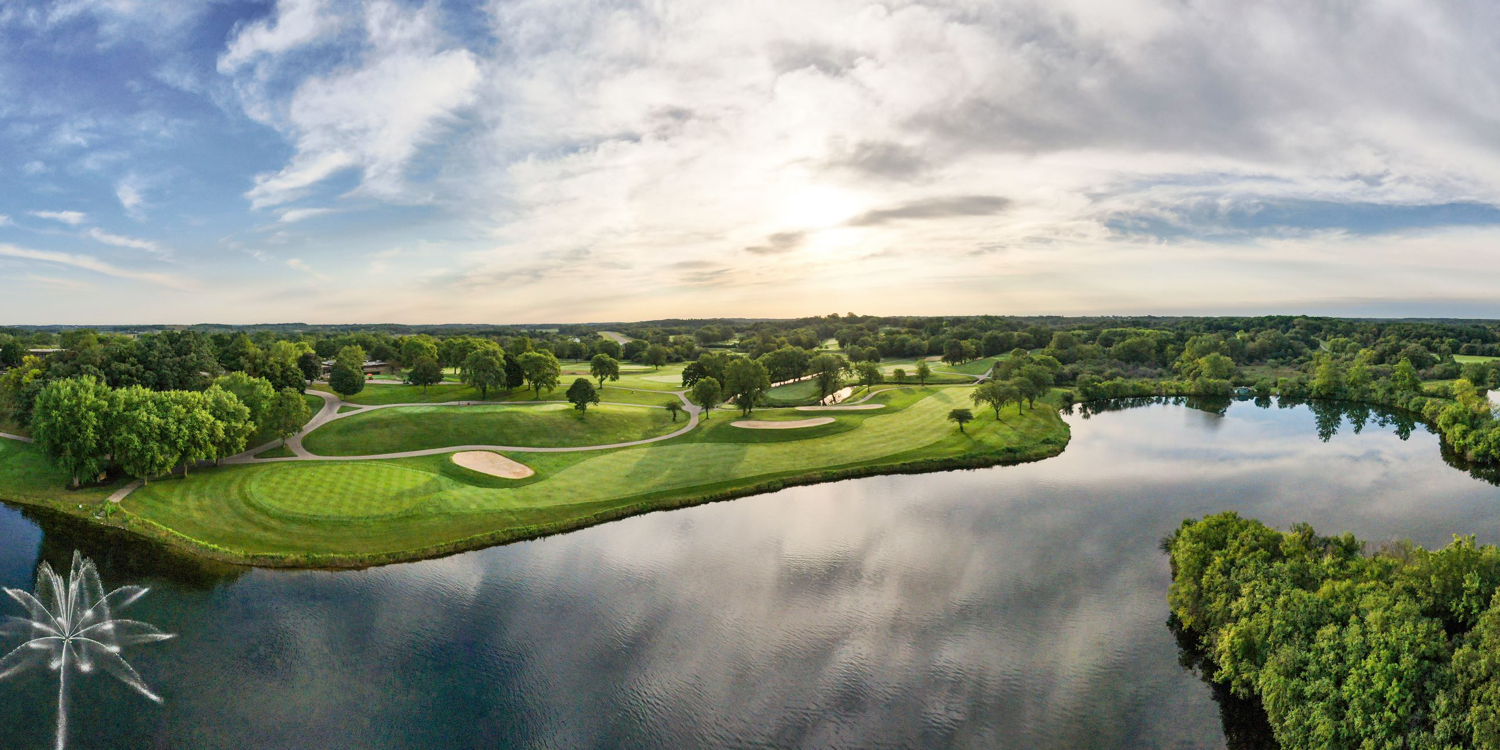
(84, 425)
(1396, 649)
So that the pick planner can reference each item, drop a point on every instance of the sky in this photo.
(334, 161)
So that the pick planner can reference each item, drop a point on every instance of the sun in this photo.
(817, 207)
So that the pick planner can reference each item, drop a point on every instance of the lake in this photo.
(1010, 607)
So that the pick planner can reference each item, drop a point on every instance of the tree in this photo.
(657, 355)
(745, 381)
(414, 348)
(425, 371)
(674, 407)
(1328, 378)
(542, 370)
(691, 374)
(869, 374)
(352, 357)
(345, 380)
(923, 372)
(1215, 366)
(899, 375)
(993, 394)
(954, 352)
(961, 417)
(311, 366)
(69, 423)
(289, 412)
(604, 367)
(235, 425)
(12, 354)
(484, 369)
(581, 393)
(828, 371)
(1034, 380)
(706, 394)
(139, 439)
(254, 393)
(283, 373)
(515, 377)
(786, 363)
(1405, 379)
(190, 426)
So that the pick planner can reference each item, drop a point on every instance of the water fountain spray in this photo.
(71, 625)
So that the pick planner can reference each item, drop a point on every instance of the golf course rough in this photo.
(355, 513)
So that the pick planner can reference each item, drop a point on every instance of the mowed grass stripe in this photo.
(408, 428)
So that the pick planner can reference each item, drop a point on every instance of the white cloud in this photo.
(119, 240)
(72, 218)
(373, 115)
(90, 263)
(4, 220)
(128, 191)
(295, 23)
(293, 215)
(298, 264)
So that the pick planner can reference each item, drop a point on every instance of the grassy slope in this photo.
(1465, 359)
(316, 513)
(407, 428)
(380, 395)
(26, 476)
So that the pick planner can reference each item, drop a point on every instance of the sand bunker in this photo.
(756, 424)
(493, 464)
(851, 407)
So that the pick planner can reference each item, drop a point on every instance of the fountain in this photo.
(71, 625)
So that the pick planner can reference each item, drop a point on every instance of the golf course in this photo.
(373, 479)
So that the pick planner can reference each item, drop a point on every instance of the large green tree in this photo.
(484, 369)
(745, 382)
(69, 423)
(706, 394)
(233, 417)
(604, 367)
(345, 380)
(828, 371)
(425, 371)
(581, 394)
(288, 413)
(542, 370)
(140, 438)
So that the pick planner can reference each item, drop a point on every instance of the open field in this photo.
(407, 428)
(318, 513)
(1465, 359)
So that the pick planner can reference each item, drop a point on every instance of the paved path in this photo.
(9, 436)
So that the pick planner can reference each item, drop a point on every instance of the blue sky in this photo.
(575, 160)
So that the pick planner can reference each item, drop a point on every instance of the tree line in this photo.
(85, 426)
(1397, 649)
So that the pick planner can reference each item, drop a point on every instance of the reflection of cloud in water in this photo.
(1018, 606)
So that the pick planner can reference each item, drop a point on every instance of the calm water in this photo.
(1013, 607)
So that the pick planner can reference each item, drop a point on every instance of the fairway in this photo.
(408, 428)
(358, 512)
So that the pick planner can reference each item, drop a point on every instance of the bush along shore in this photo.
(1344, 648)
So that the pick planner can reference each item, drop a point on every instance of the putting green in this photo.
(341, 490)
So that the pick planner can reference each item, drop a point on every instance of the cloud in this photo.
(70, 285)
(780, 242)
(375, 114)
(128, 191)
(295, 23)
(71, 218)
(293, 215)
(298, 264)
(119, 240)
(5, 220)
(934, 208)
(90, 263)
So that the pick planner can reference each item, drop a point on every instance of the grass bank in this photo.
(358, 513)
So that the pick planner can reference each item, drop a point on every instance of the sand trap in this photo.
(493, 464)
(851, 407)
(756, 424)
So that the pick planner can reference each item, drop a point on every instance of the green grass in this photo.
(1465, 359)
(27, 476)
(280, 451)
(800, 393)
(381, 395)
(408, 428)
(362, 512)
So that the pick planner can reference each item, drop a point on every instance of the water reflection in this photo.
(1008, 607)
